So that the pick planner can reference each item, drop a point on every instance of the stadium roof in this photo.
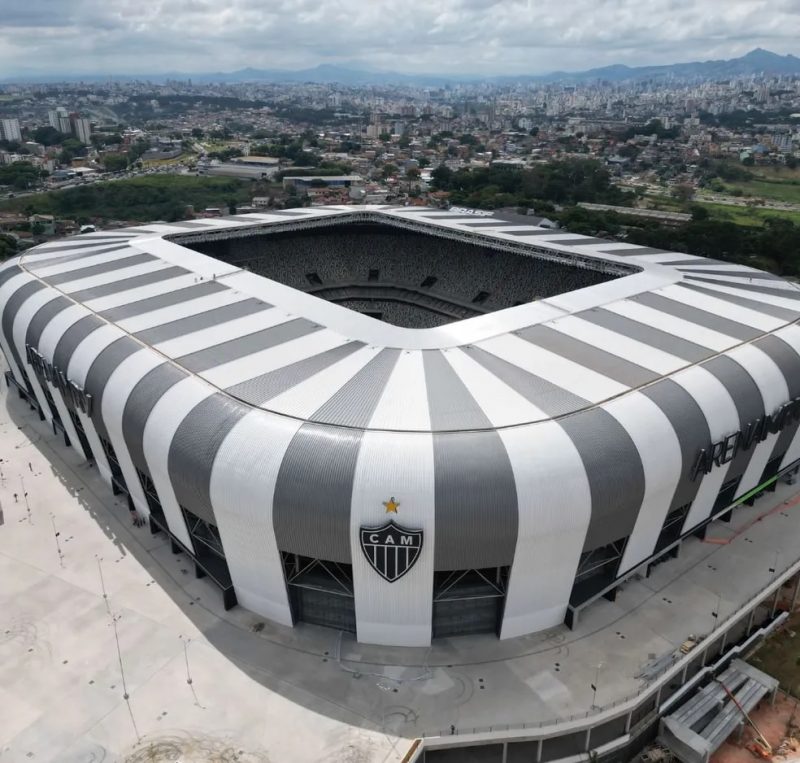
(272, 346)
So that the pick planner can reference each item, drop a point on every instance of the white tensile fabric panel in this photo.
(501, 404)
(772, 283)
(564, 373)
(618, 344)
(309, 395)
(112, 276)
(242, 491)
(18, 331)
(278, 356)
(722, 307)
(7, 289)
(163, 422)
(46, 271)
(554, 511)
(208, 268)
(171, 313)
(723, 419)
(80, 363)
(221, 332)
(791, 335)
(672, 325)
(660, 453)
(128, 296)
(753, 296)
(54, 330)
(774, 391)
(404, 401)
(398, 613)
(118, 388)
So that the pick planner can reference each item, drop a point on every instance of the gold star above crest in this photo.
(391, 505)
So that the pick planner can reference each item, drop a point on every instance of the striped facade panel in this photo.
(242, 492)
(554, 501)
(194, 448)
(614, 469)
(11, 306)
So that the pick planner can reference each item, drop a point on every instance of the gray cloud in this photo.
(443, 36)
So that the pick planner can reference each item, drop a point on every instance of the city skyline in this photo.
(455, 38)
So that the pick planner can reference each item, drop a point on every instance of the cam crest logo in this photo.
(391, 550)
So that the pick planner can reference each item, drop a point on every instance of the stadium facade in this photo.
(404, 422)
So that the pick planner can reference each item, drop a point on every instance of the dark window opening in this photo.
(320, 591)
(726, 495)
(113, 464)
(428, 282)
(78, 424)
(597, 569)
(376, 316)
(374, 274)
(208, 551)
(480, 297)
(771, 469)
(153, 501)
(314, 279)
(673, 525)
(468, 601)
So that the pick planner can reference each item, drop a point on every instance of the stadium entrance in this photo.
(320, 591)
(468, 601)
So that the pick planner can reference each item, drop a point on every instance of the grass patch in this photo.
(779, 656)
(748, 215)
(770, 189)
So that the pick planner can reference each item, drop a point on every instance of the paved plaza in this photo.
(219, 685)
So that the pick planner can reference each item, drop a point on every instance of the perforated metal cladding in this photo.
(141, 401)
(99, 373)
(41, 260)
(237, 348)
(675, 345)
(200, 321)
(42, 317)
(176, 297)
(260, 389)
(615, 473)
(748, 401)
(700, 317)
(194, 448)
(690, 425)
(118, 263)
(10, 309)
(786, 358)
(354, 404)
(9, 273)
(760, 274)
(588, 356)
(134, 282)
(475, 492)
(71, 338)
(751, 304)
(311, 516)
(553, 400)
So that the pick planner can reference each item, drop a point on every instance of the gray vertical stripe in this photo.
(240, 347)
(10, 310)
(9, 273)
(615, 472)
(786, 358)
(176, 297)
(759, 274)
(748, 401)
(775, 292)
(477, 515)
(200, 321)
(354, 403)
(146, 279)
(264, 387)
(751, 304)
(691, 427)
(99, 373)
(613, 366)
(700, 317)
(43, 316)
(71, 338)
(661, 340)
(141, 401)
(312, 516)
(41, 261)
(95, 270)
(194, 448)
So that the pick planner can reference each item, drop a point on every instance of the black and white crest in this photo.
(390, 549)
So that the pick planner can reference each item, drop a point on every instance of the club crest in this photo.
(390, 549)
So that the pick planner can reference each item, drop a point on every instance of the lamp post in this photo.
(594, 685)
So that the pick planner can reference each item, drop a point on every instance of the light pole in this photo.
(594, 685)
(715, 612)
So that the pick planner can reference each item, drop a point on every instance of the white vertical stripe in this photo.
(554, 512)
(404, 401)
(400, 465)
(242, 491)
(7, 289)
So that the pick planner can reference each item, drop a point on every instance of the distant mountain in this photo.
(758, 61)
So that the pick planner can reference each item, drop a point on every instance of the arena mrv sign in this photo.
(71, 391)
(725, 450)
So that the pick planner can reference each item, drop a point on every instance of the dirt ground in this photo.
(774, 722)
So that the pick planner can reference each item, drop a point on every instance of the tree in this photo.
(115, 162)
(682, 192)
(699, 212)
(232, 206)
(404, 141)
(197, 132)
(48, 136)
(389, 169)
(384, 137)
(413, 173)
(442, 178)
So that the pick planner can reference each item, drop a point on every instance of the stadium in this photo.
(409, 423)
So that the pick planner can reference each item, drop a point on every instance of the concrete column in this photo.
(504, 759)
(629, 722)
(796, 593)
(658, 696)
(683, 675)
(539, 751)
(724, 641)
(588, 741)
(775, 602)
(750, 621)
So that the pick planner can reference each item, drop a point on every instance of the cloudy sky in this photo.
(431, 36)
